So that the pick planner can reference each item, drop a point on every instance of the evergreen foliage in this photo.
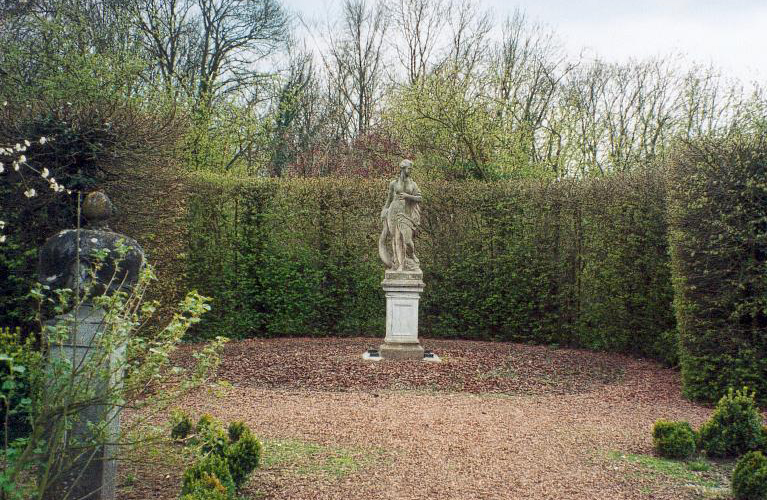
(20, 365)
(673, 439)
(181, 426)
(208, 474)
(734, 428)
(749, 479)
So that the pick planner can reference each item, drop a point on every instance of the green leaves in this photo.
(719, 253)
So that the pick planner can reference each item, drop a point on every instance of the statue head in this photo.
(405, 166)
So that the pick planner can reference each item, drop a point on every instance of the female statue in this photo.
(401, 216)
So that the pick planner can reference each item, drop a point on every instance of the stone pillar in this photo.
(84, 461)
(92, 474)
(403, 292)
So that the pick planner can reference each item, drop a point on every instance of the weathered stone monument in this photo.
(85, 465)
(403, 279)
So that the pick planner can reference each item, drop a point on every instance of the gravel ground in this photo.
(494, 420)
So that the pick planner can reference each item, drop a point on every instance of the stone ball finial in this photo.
(98, 209)
(67, 261)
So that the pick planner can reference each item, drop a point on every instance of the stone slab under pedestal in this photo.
(403, 292)
(400, 351)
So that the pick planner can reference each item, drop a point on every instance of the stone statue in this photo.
(401, 216)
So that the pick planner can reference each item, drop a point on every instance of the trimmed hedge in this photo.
(582, 263)
(718, 235)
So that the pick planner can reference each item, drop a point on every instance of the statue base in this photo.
(403, 293)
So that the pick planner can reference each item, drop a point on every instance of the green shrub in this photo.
(718, 241)
(236, 430)
(182, 426)
(734, 428)
(673, 439)
(243, 457)
(208, 474)
(749, 479)
(240, 450)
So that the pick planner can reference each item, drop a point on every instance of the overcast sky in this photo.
(732, 34)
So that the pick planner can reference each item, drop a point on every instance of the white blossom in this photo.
(5, 103)
(17, 147)
(43, 140)
(22, 159)
(2, 224)
(27, 143)
(2, 167)
(29, 193)
(16, 166)
(2, 238)
(45, 173)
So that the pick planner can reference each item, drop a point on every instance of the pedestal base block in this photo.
(391, 350)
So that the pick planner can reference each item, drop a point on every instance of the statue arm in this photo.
(414, 197)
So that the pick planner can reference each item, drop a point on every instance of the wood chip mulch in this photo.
(493, 420)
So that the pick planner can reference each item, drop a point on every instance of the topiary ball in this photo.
(749, 479)
(673, 439)
(735, 427)
(243, 457)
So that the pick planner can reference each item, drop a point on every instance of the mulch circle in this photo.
(336, 364)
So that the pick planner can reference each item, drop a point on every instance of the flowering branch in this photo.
(15, 158)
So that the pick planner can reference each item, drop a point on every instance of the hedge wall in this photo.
(567, 262)
(718, 236)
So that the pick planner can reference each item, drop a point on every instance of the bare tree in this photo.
(210, 48)
(469, 27)
(528, 66)
(356, 61)
(417, 24)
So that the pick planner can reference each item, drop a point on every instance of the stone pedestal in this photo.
(403, 292)
(88, 466)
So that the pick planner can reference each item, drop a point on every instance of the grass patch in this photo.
(311, 459)
(709, 478)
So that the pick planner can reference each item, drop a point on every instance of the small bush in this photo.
(236, 430)
(749, 479)
(243, 457)
(205, 422)
(209, 475)
(735, 427)
(673, 439)
(182, 426)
